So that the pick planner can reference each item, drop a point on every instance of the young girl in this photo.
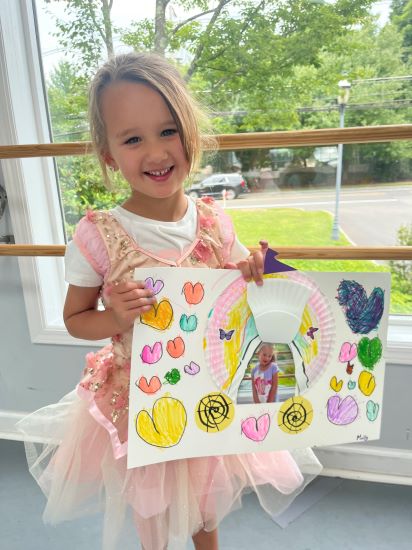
(144, 124)
(265, 375)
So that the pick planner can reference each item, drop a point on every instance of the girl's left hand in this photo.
(252, 267)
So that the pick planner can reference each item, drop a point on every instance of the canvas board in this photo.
(194, 353)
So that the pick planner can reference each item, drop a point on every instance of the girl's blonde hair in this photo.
(271, 346)
(154, 71)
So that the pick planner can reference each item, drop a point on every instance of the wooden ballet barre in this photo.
(285, 252)
(229, 142)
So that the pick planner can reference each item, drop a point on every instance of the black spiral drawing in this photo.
(295, 415)
(214, 412)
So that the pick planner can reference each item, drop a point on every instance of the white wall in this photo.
(31, 375)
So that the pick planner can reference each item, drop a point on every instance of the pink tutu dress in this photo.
(81, 463)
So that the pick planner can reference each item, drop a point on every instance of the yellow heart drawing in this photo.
(366, 383)
(335, 385)
(167, 424)
(159, 315)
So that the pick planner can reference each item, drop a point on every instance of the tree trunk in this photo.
(200, 48)
(108, 34)
(160, 27)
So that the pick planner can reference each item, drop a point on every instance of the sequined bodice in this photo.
(106, 377)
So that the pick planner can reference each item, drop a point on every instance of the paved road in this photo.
(370, 215)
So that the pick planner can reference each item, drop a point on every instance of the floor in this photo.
(331, 514)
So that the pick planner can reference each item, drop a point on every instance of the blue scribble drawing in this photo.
(362, 313)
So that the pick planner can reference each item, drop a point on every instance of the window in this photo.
(31, 183)
(33, 191)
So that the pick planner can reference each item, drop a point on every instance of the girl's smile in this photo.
(160, 175)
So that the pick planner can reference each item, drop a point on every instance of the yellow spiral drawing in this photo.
(295, 415)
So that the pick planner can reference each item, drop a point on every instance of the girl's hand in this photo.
(252, 267)
(128, 300)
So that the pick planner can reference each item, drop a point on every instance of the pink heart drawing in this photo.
(342, 411)
(151, 355)
(347, 352)
(156, 287)
(192, 368)
(256, 429)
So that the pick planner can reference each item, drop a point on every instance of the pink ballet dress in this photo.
(82, 470)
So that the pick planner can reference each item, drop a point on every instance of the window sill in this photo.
(399, 345)
(58, 335)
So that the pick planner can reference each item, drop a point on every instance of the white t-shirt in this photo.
(152, 235)
(262, 380)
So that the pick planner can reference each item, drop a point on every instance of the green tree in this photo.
(401, 16)
(79, 176)
(244, 63)
(369, 57)
(259, 66)
(86, 33)
(402, 270)
(239, 60)
(242, 58)
(67, 95)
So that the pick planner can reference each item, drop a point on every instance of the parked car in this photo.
(214, 185)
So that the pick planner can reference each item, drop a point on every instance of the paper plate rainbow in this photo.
(231, 336)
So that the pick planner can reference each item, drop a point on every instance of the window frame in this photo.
(32, 189)
(31, 183)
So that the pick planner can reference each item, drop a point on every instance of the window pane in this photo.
(260, 76)
(291, 200)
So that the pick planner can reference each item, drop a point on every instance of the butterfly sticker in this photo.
(311, 332)
(223, 335)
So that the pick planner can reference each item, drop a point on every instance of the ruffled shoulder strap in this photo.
(89, 241)
(208, 206)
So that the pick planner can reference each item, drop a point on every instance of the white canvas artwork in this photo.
(198, 384)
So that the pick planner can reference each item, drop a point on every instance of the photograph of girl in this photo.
(269, 376)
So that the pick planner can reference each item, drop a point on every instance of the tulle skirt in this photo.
(171, 501)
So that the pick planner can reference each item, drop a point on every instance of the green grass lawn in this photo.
(294, 227)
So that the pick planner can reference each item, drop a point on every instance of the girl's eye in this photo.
(132, 140)
(169, 132)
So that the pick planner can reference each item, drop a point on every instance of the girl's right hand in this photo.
(127, 300)
(252, 267)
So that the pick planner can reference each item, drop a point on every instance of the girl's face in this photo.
(143, 141)
(265, 356)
